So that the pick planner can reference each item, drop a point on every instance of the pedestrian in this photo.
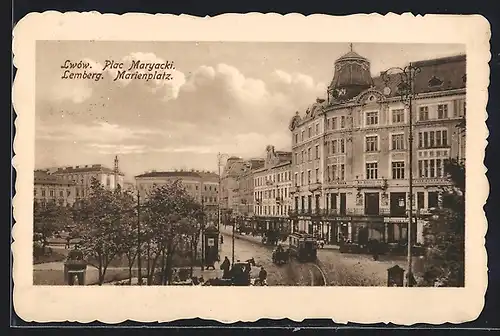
(68, 239)
(375, 250)
(221, 239)
(262, 276)
(226, 264)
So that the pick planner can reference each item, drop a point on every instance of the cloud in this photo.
(96, 131)
(229, 111)
(215, 109)
(76, 92)
(117, 148)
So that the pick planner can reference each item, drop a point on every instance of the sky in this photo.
(233, 98)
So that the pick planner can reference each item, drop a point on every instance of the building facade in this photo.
(203, 186)
(234, 168)
(245, 191)
(83, 175)
(350, 158)
(272, 188)
(49, 188)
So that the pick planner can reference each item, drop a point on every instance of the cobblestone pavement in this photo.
(356, 269)
(341, 269)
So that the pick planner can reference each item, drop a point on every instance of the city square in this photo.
(360, 182)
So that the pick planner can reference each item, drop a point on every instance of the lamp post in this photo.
(406, 90)
(220, 157)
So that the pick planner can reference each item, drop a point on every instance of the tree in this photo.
(48, 219)
(171, 216)
(445, 234)
(128, 228)
(101, 235)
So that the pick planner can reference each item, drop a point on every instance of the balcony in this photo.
(269, 182)
(316, 186)
(370, 184)
(337, 183)
(338, 212)
(432, 181)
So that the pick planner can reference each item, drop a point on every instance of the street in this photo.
(340, 269)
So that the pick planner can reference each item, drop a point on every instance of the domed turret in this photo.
(352, 76)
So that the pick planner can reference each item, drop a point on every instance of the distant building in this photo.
(234, 168)
(202, 186)
(244, 199)
(272, 185)
(82, 176)
(53, 189)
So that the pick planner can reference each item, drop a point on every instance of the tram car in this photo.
(303, 247)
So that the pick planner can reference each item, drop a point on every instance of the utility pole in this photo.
(219, 192)
(410, 159)
(219, 163)
(139, 264)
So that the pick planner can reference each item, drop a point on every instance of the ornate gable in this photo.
(371, 96)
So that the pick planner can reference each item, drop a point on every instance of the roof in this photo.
(41, 177)
(195, 174)
(97, 168)
(440, 74)
(351, 55)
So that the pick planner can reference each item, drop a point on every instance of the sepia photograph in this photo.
(269, 164)
(212, 162)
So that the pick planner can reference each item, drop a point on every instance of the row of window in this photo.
(372, 143)
(52, 193)
(332, 200)
(272, 210)
(426, 139)
(335, 172)
(209, 199)
(44, 203)
(278, 177)
(372, 119)
(280, 193)
(433, 139)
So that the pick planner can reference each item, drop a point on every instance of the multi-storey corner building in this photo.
(49, 188)
(272, 187)
(350, 151)
(202, 186)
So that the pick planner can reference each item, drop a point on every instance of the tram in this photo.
(303, 246)
(271, 229)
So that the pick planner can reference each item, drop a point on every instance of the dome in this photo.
(352, 55)
(352, 76)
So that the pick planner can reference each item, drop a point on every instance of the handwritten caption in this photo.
(134, 70)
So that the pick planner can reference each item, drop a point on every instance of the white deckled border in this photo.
(112, 304)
